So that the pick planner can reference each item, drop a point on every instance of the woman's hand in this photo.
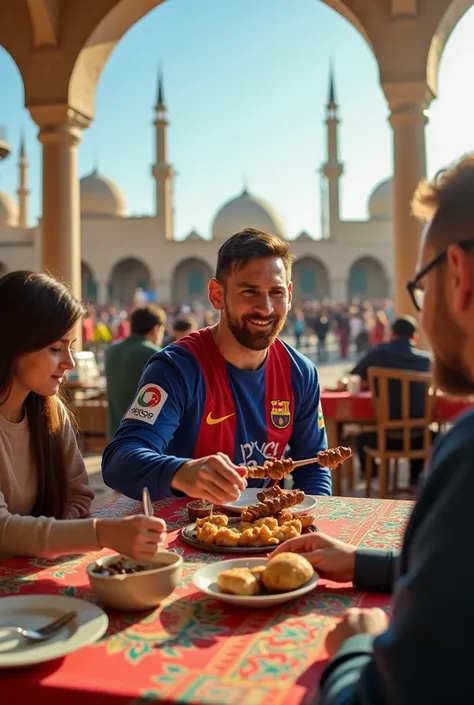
(137, 537)
(331, 558)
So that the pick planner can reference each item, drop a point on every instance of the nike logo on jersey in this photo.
(212, 422)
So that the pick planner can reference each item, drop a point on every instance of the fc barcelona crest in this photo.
(280, 413)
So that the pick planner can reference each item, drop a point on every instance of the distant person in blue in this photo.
(226, 396)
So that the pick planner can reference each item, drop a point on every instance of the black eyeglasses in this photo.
(415, 286)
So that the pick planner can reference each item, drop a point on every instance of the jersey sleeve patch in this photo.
(320, 417)
(147, 404)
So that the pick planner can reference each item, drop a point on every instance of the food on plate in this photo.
(216, 519)
(266, 531)
(279, 469)
(305, 519)
(273, 505)
(286, 572)
(239, 581)
(121, 567)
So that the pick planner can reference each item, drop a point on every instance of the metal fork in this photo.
(45, 632)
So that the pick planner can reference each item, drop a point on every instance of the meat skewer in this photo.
(272, 505)
(278, 469)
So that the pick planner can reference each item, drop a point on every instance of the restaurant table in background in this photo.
(195, 649)
(341, 408)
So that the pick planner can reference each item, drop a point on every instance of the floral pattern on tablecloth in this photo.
(194, 649)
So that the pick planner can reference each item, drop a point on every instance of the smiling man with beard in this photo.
(226, 396)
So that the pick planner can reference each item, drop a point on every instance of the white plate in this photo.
(249, 496)
(35, 611)
(205, 580)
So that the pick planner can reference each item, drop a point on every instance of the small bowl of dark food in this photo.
(125, 584)
(199, 509)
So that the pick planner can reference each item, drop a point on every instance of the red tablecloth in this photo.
(195, 649)
(341, 406)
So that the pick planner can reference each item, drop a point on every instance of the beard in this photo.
(249, 336)
(450, 372)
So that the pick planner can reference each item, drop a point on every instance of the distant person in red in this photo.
(122, 329)
(88, 327)
(379, 331)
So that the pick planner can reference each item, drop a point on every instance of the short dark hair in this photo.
(184, 323)
(250, 244)
(449, 203)
(145, 318)
(404, 327)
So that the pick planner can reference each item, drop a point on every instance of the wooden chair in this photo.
(403, 429)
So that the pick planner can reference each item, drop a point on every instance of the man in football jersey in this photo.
(228, 396)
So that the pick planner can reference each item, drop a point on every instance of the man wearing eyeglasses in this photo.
(422, 654)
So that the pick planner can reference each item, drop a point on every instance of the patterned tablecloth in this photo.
(195, 649)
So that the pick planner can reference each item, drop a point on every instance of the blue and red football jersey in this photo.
(191, 403)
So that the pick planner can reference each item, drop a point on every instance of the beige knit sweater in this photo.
(24, 535)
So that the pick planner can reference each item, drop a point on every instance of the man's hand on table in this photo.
(214, 478)
(355, 621)
(332, 559)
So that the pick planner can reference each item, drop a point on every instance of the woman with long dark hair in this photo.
(45, 497)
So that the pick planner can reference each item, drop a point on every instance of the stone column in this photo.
(408, 119)
(60, 134)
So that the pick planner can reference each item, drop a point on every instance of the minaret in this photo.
(332, 169)
(163, 171)
(23, 192)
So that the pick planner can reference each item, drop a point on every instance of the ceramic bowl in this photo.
(136, 591)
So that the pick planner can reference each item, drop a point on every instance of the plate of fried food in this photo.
(258, 582)
(220, 534)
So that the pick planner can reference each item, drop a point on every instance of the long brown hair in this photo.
(36, 311)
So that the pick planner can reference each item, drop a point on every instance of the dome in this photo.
(100, 197)
(8, 210)
(245, 211)
(381, 201)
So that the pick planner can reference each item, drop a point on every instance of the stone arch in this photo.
(88, 284)
(99, 45)
(310, 279)
(453, 15)
(190, 281)
(128, 275)
(367, 279)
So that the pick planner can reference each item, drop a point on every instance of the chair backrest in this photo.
(387, 383)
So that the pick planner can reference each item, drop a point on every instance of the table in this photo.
(195, 649)
(341, 408)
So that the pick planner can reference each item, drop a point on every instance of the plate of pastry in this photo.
(220, 534)
(258, 582)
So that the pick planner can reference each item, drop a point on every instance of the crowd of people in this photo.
(231, 395)
(353, 328)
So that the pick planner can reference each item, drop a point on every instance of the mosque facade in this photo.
(120, 252)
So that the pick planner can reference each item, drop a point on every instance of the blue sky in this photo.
(246, 89)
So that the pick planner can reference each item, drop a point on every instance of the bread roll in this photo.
(238, 581)
(286, 572)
